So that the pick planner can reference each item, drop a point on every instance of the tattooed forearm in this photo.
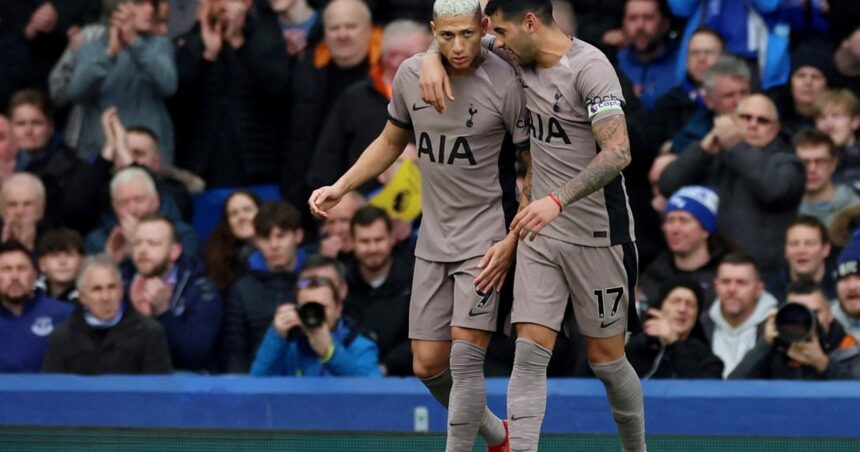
(526, 158)
(611, 135)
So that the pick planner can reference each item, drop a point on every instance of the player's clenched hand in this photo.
(433, 82)
(534, 218)
(495, 264)
(323, 199)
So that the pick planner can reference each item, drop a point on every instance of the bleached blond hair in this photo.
(451, 8)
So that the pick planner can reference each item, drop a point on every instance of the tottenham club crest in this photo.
(43, 326)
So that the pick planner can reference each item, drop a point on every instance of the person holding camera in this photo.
(673, 343)
(312, 338)
(801, 341)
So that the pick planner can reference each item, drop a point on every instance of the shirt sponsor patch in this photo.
(599, 105)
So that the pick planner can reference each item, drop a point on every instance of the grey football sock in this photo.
(468, 396)
(491, 428)
(527, 394)
(624, 392)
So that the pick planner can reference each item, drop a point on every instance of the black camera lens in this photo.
(795, 322)
(312, 314)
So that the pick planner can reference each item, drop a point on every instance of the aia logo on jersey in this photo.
(42, 326)
(546, 129)
(600, 104)
(459, 150)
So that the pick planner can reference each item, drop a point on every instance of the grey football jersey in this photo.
(458, 155)
(563, 101)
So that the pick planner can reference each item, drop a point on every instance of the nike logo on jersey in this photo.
(415, 107)
(515, 418)
(603, 323)
(472, 313)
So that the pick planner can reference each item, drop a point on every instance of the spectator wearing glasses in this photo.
(295, 346)
(822, 198)
(758, 178)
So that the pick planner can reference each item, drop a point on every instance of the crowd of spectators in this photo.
(141, 142)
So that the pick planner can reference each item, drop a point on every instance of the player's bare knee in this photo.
(604, 350)
(472, 336)
(429, 368)
(539, 334)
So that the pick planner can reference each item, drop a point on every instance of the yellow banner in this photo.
(401, 197)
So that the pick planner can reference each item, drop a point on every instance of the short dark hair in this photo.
(512, 10)
(143, 130)
(157, 216)
(276, 214)
(662, 6)
(804, 286)
(740, 259)
(60, 240)
(320, 261)
(34, 98)
(14, 246)
(368, 215)
(814, 137)
(812, 222)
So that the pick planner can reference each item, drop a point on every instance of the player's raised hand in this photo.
(433, 82)
(323, 199)
(495, 264)
(535, 217)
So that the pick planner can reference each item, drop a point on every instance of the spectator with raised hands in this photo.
(673, 343)
(233, 72)
(22, 208)
(757, 176)
(130, 68)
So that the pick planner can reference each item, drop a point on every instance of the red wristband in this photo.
(557, 202)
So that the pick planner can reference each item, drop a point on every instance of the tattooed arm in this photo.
(614, 156)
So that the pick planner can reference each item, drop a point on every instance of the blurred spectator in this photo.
(22, 208)
(726, 84)
(8, 148)
(45, 27)
(753, 30)
(361, 111)
(845, 34)
(690, 226)
(829, 353)
(106, 336)
(172, 288)
(673, 344)
(822, 198)
(335, 237)
(658, 201)
(269, 283)
(350, 48)
(810, 70)
(15, 57)
(756, 174)
(228, 248)
(42, 152)
(650, 58)
(847, 310)
(599, 23)
(387, 11)
(807, 249)
(299, 23)
(333, 348)
(129, 68)
(233, 72)
(837, 113)
(139, 145)
(380, 286)
(676, 107)
(26, 318)
(742, 304)
(60, 253)
(133, 195)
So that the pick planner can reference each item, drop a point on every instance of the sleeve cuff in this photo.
(403, 125)
(328, 354)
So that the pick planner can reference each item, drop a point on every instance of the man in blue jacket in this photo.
(26, 319)
(173, 289)
(334, 348)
